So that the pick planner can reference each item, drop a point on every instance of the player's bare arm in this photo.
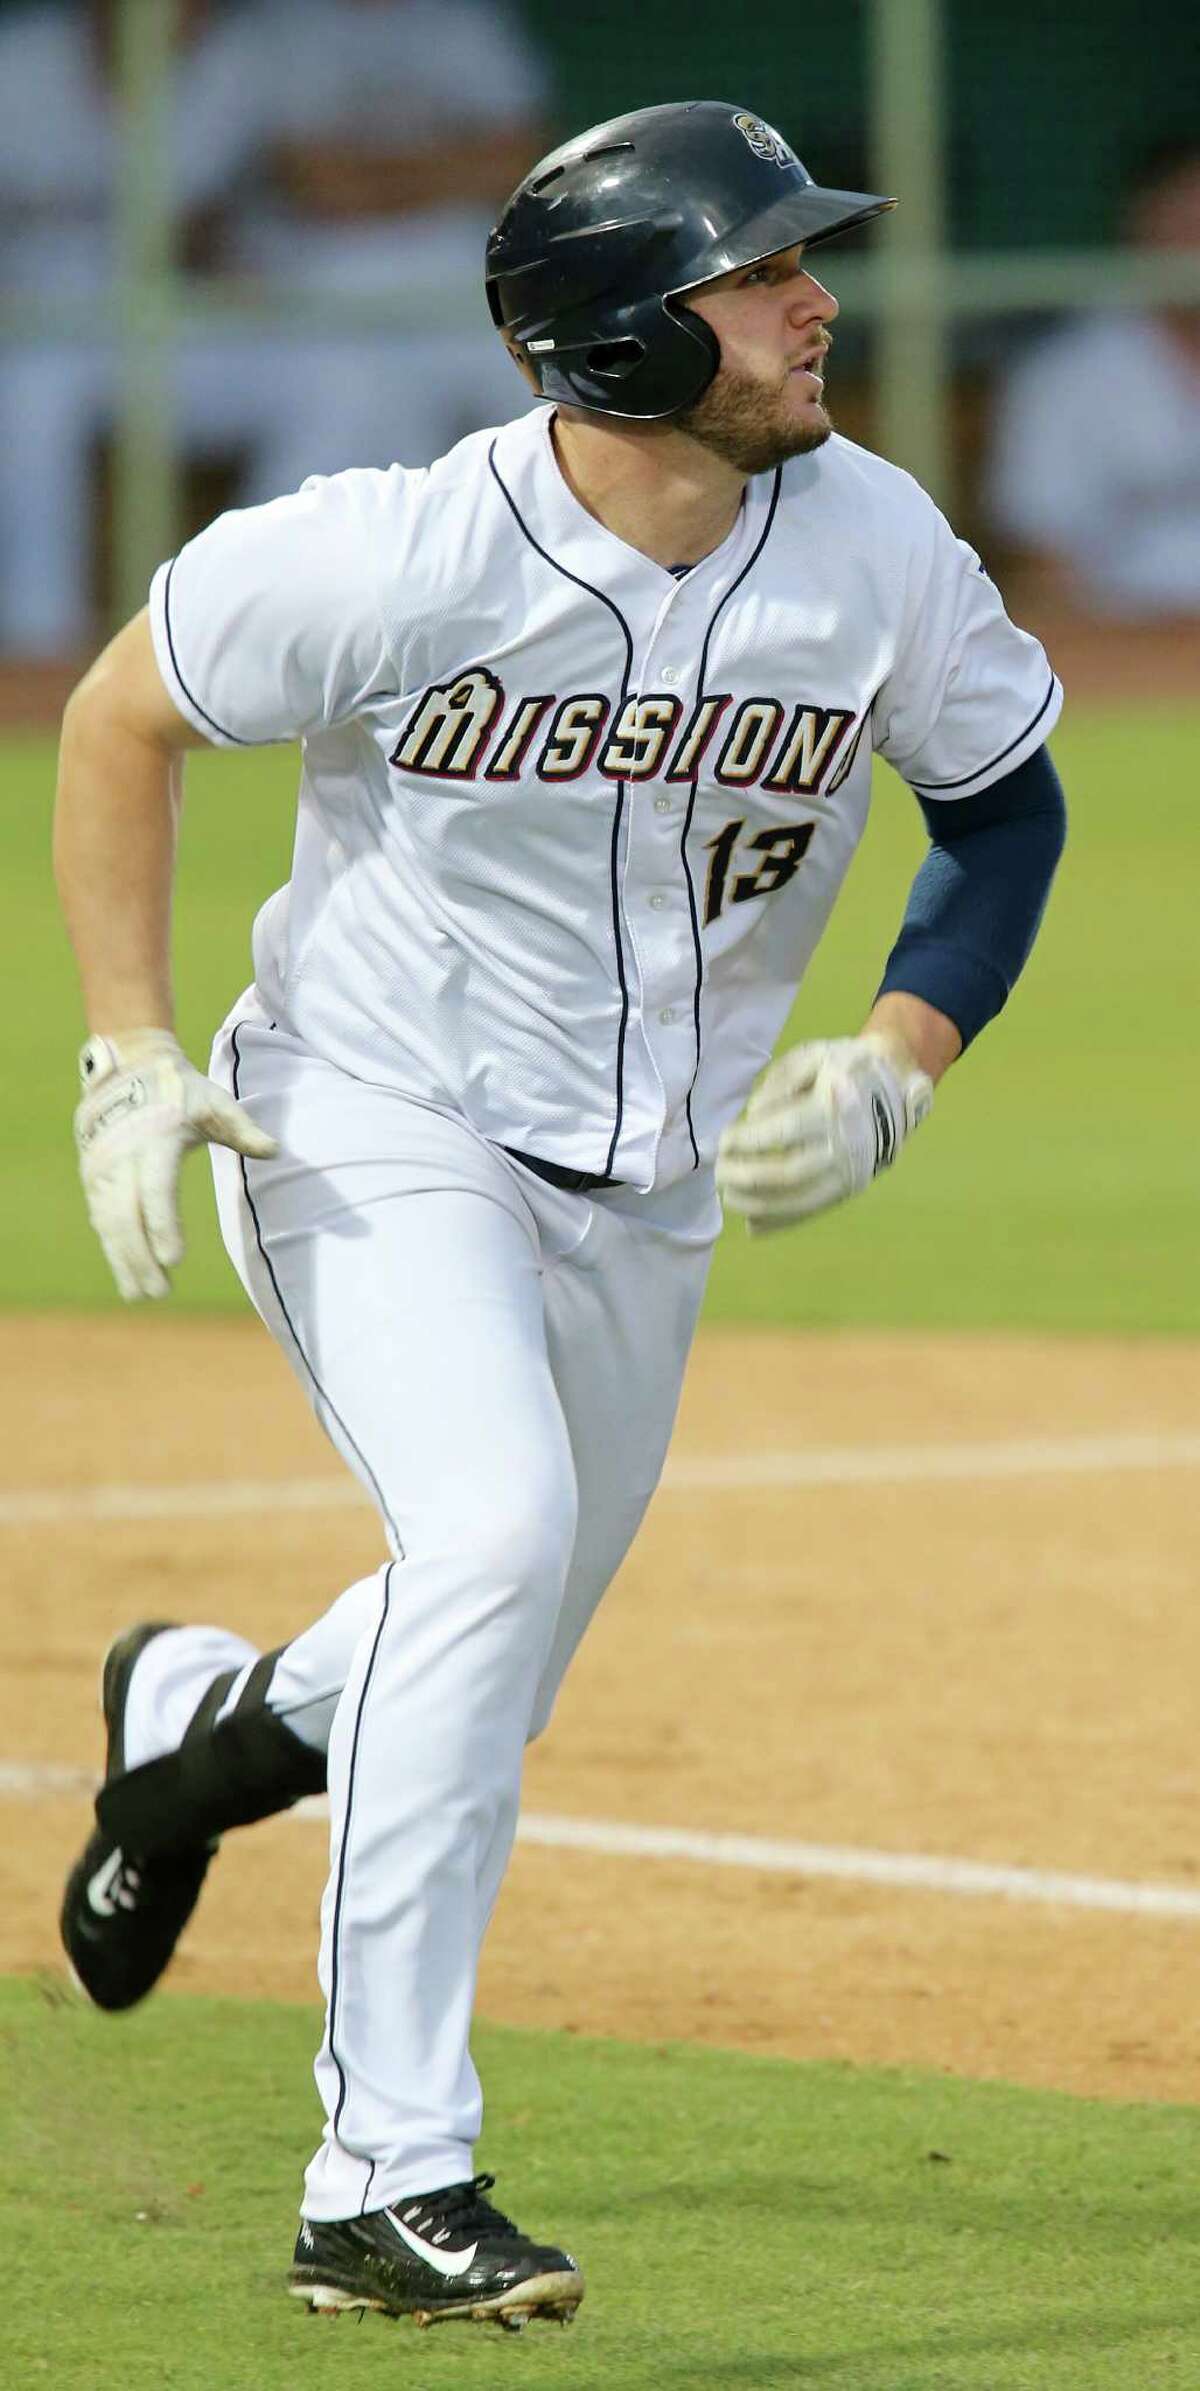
(116, 819)
(120, 789)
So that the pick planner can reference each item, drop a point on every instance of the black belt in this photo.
(556, 1174)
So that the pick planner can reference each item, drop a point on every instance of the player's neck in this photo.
(650, 486)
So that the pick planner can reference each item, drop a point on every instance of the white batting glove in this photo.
(143, 1105)
(824, 1120)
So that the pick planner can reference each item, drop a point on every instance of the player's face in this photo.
(767, 399)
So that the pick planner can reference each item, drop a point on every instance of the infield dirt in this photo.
(997, 1668)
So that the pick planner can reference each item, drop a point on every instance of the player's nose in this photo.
(810, 302)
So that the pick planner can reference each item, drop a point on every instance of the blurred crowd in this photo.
(340, 146)
(1093, 474)
(363, 147)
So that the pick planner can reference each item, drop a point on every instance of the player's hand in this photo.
(824, 1120)
(143, 1105)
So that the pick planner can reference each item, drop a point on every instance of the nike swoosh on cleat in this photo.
(101, 1897)
(443, 2262)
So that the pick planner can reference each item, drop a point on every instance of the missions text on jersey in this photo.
(459, 724)
(561, 811)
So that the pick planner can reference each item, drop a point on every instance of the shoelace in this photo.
(462, 2210)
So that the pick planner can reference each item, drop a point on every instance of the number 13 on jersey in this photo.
(777, 854)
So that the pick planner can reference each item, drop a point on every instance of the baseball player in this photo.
(587, 712)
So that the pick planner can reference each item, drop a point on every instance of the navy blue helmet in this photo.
(591, 262)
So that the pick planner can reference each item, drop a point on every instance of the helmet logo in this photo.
(764, 141)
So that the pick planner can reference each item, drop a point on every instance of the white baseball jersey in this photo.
(570, 826)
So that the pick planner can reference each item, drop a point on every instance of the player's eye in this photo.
(773, 269)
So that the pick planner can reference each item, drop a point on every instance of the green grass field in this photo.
(1055, 1187)
(742, 2222)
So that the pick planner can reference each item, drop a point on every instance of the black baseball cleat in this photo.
(122, 1914)
(445, 2254)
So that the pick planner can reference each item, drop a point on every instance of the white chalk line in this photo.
(697, 1473)
(611, 1839)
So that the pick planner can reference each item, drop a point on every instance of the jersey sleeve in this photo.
(969, 696)
(267, 626)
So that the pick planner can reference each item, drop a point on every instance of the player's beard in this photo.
(734, 419)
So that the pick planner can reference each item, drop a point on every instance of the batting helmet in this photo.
(598, 246)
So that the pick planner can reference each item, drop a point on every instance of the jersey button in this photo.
(657, 902)
(668, 1014)
(669, 674)
(662, 805)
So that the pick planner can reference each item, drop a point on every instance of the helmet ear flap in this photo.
(698, 330)
(658, 359)
(614, 359)
(644, 356)
(644, 374)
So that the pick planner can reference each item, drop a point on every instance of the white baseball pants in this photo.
(500, 1363)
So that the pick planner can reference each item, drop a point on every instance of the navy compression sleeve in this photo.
(975, 905)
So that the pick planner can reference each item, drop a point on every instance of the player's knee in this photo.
(534, 1540)
(524, 1534)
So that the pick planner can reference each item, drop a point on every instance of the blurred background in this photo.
(240, 241)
